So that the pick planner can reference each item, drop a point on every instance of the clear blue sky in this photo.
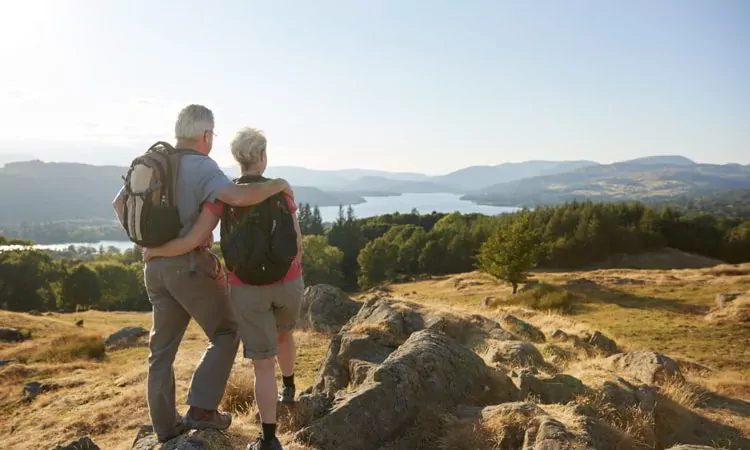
(427, 86)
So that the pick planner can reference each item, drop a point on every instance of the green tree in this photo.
(28, 280)
(377, 263)
(121, 287)
(321, 262)
(431, 257)
(81, 288)
(511, 252)
(316, 222)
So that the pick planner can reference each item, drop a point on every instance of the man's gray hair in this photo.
(193, 121)
(248, 146)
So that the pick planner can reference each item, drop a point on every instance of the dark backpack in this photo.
(150, 215)
(259, 242)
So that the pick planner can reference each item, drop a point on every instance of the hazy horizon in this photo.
(385, 86)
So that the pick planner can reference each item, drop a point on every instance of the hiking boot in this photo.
(287, 394)
(214, 419)
(178, 430)
(260, 444)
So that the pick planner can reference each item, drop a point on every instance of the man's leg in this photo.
(169, 323)
(204, 297)
(287, 304)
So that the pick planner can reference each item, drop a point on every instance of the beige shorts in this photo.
(262, 312)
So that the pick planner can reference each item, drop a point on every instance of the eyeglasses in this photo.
(212, 132)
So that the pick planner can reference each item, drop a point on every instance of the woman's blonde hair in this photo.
(248, 147)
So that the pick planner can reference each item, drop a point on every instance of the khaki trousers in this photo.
(180, 288)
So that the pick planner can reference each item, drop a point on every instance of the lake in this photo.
(375, 206)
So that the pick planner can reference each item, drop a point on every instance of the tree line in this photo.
(358, 253)
(46, 281)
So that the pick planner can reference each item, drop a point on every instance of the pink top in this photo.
(295, 271)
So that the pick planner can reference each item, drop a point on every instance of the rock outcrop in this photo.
(126, 336)
(430, 370)
(647, 367)
(326, 308)
(390, 363)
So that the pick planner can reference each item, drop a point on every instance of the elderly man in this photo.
(190, 286)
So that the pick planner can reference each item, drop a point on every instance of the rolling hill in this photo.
(36, 191)
(620, 181)
(478, 177)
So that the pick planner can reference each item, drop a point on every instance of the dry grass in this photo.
(683, 392)
(106, 399)
(503, 431)
(239, 395)
(631, 420)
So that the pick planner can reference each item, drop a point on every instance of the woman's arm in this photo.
(199, 234)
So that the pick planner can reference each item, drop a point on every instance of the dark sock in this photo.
(288, 381)
(269, 431)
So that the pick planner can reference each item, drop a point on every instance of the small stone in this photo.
(522, 329)
(600, 341)
(84, 443)
(559, 335)
(79, 323)
(723, 299)
(34, 312)
(126, 336)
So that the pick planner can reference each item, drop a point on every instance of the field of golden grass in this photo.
(103, 396)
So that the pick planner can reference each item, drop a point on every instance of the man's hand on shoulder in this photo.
(284, 187)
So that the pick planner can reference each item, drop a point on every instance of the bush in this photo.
(546, 297)
(72, 347)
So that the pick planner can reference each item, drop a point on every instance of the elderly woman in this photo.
(265, 315)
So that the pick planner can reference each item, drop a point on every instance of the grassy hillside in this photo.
(621, 181)
(660, 310)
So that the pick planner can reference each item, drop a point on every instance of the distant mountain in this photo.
(620, 181)
(331, 179)
(383, 185)
(37, 191)
(478, 177)
(663, 160)
(9, 158)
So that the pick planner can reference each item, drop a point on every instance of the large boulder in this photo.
(326, 308)
(646, 367)
(516, 354)
(429, 371)
(84, 443)
(522, 329)
(126, 336)
(384, 324)
(145, 439)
